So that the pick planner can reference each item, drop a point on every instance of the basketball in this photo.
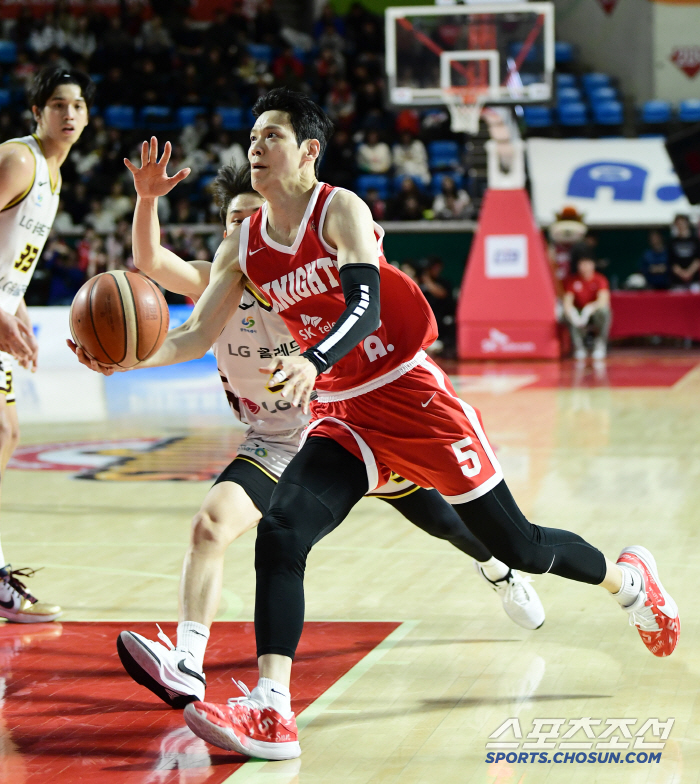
(119, 318)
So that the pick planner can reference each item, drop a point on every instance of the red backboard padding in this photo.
(506, 305)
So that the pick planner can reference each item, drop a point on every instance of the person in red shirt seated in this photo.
(587, 306)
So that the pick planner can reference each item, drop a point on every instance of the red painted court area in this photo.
(69, 712)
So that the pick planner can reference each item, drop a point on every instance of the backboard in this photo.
(505, 51)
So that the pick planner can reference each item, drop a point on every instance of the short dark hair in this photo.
(582, 251)
(229, 183)
(307, 118)
(48, 79)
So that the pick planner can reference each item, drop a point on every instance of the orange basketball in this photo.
(119, 318)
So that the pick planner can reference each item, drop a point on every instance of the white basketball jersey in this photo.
(24, 227)
(253, 337)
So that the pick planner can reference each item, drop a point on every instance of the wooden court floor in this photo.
(417, 701)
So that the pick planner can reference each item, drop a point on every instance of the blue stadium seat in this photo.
(563, 53)
(602, 95)
(565, 80)
(608, 113)
(572, 115)
(534, 53)
(157, 118)
(8, 52)
(569, 95)
(656, 112)
(538, 116)
(5, 98)
(121, 117)
(367, 181)
(436, 182)
(443, 154)
(231, 117)
(186, 115)
(262, 52)
(592, 81)
(689, 110)
(399, 178)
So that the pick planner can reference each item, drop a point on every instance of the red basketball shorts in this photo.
(417, 427)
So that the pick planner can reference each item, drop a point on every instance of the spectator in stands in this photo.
(654, 262)
(340, 104)
(683, 253)
(411, 158)
(98, 218)
(288, 69)
(451, 203)
(338, 164)
(118, 204)
(328, 17)
(373, 155)
(587, 305)
(376, 204)
(65, 276)
(409, 203)
(438, 291)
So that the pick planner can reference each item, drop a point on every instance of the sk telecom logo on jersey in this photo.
(316, 277)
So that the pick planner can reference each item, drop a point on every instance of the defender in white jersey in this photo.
(30, 185)
(242, 493)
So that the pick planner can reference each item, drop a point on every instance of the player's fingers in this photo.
(165, 157)
(153, 150)
(72, 346)
(272, 366)
(180, 176)
(130, 166)
(144, 154)
(24, 329)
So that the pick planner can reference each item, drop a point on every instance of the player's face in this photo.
(274, 154)
(240, 208)
(65, 115)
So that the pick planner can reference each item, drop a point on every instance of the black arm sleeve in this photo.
(360, 284)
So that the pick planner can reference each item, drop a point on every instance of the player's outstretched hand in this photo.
(298, 376)
(151, 180)
(85, 359)
(16, 338)
(30, 362)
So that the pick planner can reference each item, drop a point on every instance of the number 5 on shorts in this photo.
(467, 455)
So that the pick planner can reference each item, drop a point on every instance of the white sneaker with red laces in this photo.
(245, 725)
(653, 612)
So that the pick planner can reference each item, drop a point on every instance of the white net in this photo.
(465, 106)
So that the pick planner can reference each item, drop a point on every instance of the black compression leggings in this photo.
(317, 491)
(428, 510)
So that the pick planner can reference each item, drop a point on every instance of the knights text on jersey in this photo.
(303, 284)
(25, 224)
(254, 336)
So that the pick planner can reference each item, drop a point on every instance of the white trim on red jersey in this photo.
(290, 249)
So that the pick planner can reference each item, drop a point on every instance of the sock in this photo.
(632, 584)
(273, 695)
(3, 562)
(193, 638)
(494, 569)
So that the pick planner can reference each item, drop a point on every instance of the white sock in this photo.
(193, 638)
(273, 695)
(494, 569)
(632, 584)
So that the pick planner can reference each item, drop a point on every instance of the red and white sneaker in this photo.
(245, 726)
(654, 612)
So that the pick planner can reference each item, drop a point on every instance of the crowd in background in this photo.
(672, 264)
(139, 58)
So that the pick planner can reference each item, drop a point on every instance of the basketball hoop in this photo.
(465, 105)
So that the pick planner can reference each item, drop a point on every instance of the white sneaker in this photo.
(600, 350)
(519, 598)
(580, 354)
(168, 672)
(17, 604)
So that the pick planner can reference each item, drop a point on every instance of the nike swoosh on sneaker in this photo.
(184, 668)
(7, 605)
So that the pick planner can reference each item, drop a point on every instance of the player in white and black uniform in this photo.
(30, 185)
(242, 493)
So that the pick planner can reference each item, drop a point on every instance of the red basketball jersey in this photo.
(303, 284)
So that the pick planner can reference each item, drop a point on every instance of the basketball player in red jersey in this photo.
(315, 252)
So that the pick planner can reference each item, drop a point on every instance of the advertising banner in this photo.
(613, 182)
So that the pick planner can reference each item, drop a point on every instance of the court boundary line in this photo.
(251, 771)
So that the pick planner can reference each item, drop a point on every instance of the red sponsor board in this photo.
(506, 306)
